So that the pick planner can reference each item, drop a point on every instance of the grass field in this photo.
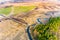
(5, 11)
(23, 9)
(16, 9)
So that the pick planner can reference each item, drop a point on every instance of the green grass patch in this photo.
(16, 9)
(5, 11)
(20, 9)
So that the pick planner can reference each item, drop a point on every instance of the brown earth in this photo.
(9, 28)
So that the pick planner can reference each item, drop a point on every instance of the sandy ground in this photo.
(10, 30)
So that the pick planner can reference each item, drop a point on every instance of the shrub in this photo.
(47, 31)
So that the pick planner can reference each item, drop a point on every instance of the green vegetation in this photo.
(16, 9)
(5, 11)
(19, 9)
(47, 31)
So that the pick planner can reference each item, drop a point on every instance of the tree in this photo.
(47, 31)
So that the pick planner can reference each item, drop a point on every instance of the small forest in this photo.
(48, 31)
